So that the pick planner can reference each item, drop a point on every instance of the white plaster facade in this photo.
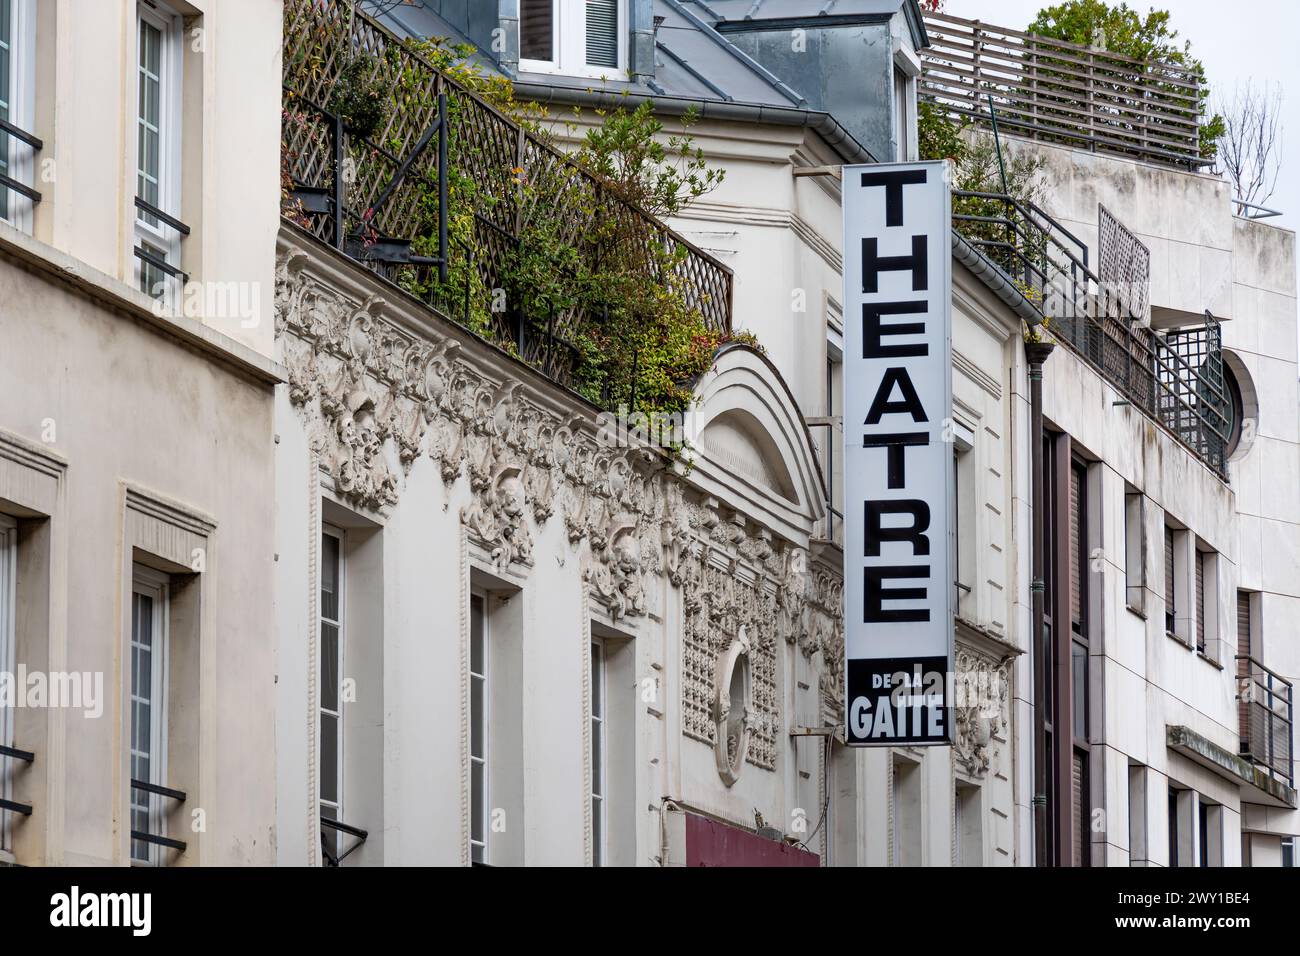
(135, 440)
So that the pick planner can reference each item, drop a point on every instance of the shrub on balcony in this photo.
(1122, 30)
(632, 326)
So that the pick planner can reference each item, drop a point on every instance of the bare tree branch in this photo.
(1250, 149)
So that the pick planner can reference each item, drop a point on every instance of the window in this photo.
(149, 597)
(1079, 685)
(1200, 601)
(906, 798)
(1173, 827)
(902, 113)
(598, 753)
(1288, 852)
(8, 597)
(1171, 575)
(478, 729)
(965, 517)
(834, 429)
(17, 83)
(1134, 550)
(1137, 814)
(573, 37)
(330, 757)
(1203, 825)
(158, 139)
(968, 844)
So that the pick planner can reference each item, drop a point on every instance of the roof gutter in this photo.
(835, 135)
(997, 280)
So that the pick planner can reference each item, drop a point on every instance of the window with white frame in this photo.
(832, 432)
(1134, 550)
(17, 85)
(8, 597)
(574, 37)
(148, 653)
(968, 837)
(479, 705)
(158, 148)
(902, 113)
(598, 752)
(331, 669)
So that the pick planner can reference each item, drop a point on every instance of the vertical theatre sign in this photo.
(898, 465)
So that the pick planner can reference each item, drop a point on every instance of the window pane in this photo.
(329, 666)
(477, 799)
(597, 832)
(597, 681)
(602, 33)
(476, 656)
(1079, 689)
(329, 577)
(537, 29)
(6, 24)
(329, 758)
(477, 737)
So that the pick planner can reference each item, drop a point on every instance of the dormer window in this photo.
(573, 37)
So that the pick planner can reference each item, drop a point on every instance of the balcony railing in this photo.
(8, 182)
(383, 199)
(157, 839)
(329, 840)
(27, 757)
(1264, 710)
(1175, 378)
(1059, 92)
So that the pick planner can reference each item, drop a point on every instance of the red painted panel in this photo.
(709, 843)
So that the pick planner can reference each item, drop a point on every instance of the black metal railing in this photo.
(329, 846)
(157, 839)
(1174, 377)
(1265, 712)
(153, 259)
(8, 182)
(26, 756)
(378, 198)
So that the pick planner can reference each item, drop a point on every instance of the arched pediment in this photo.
(751, 443)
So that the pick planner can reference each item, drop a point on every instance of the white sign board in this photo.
(898, 454)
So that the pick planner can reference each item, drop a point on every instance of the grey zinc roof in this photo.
(787, 9)
(693, 59)
(695, 66)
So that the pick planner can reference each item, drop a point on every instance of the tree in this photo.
(1251, 144)
(1124, 31)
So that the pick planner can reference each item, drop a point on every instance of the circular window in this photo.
(1242, 406)
(731, 709)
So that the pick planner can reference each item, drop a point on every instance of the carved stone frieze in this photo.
(982, 702)
(375, 397)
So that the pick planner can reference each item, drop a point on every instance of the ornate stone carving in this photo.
(982, 698)
(375, 397)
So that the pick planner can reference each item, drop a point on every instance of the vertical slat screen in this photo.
(1169, 578)
(1200, 601)
(1079, 809)
(602, 33)
(1243, 667)
(1076, 554)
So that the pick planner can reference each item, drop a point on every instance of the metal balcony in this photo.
(1265, 717)
(1174, 377)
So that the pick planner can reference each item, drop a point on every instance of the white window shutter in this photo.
(602, 33)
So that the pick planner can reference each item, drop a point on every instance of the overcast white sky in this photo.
(1245, 39)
